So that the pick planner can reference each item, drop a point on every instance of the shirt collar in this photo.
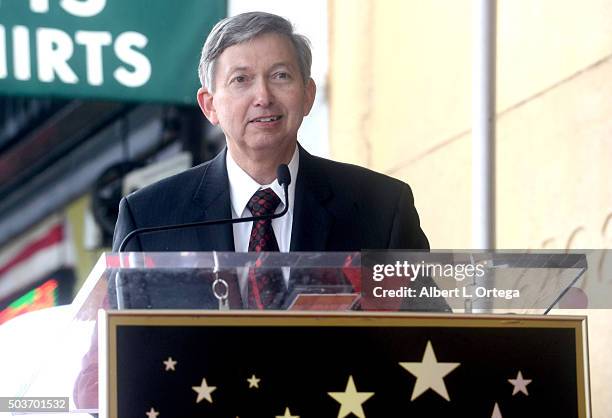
(242, 186)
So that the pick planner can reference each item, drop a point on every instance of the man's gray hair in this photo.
(242, 28)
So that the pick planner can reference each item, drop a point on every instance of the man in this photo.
(256, 85)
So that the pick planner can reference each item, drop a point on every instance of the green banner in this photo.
(133, 50)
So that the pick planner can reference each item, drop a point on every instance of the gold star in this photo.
(350, 400)
(496, 412)
(152, 413)
(170, 364)
(429, 373)
(519, 384)
(204, 391)
(253, 382)
(287, 414)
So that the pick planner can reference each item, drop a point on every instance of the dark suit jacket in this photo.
(338, 207)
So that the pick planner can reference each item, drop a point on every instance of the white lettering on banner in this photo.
(54, 49)
(83, 8)
(21, 55)
(39, 6)
(80, 8)
(141, 64)
(93, 42)
(3, 70)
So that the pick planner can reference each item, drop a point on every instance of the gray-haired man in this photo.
(256, 85)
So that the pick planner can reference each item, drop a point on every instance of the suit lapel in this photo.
(311, 218)
(213, 198)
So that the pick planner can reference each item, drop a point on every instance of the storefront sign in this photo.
(137, 50)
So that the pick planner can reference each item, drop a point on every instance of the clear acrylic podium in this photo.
(315, 282)
(508, 281)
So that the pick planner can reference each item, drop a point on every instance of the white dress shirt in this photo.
(243, 187)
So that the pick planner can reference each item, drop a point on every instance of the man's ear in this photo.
(205, 100)
(310, 91)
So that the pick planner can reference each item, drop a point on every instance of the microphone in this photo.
(283, 177)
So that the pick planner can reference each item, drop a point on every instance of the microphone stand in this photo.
(284, 178)
(151, 229)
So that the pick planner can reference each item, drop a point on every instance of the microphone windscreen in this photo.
(283, 175)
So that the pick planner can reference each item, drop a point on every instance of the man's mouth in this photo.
(267, 119)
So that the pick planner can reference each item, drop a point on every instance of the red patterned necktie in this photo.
(266, 287)
(263, 202)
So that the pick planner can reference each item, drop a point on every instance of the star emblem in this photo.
(350, 400)
(253, 382)
(170, 364)
(496, 412)
(429, 373)
(204, 391)
(519, 384)
(287, 414)
(152, 413)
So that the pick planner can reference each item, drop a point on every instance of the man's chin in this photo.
(272, 145)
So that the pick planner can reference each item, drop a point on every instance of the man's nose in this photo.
(263, 94)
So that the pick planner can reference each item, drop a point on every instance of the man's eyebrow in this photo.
(237, 68)
(281, 64)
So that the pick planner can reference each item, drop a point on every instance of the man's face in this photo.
(260, 98)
